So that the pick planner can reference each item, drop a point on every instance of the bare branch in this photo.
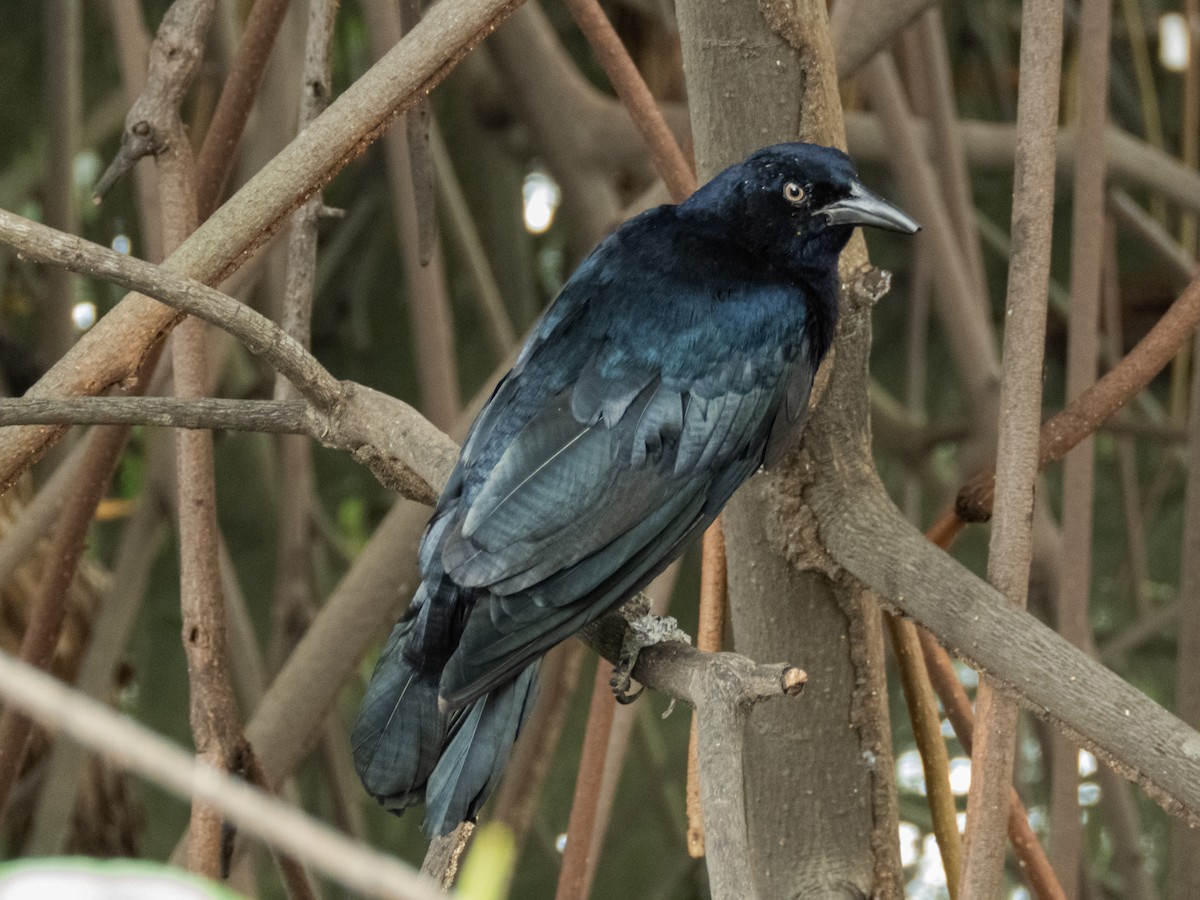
(861, 28)
(1011, 546)
(1084, 414)
(1088, 244)
(136, 749)
(628, 83)
(266, 416)
(402, 448)
(215, 159)
(113, 351)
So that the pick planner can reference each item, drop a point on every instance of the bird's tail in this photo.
(400, 729)
(477, 749)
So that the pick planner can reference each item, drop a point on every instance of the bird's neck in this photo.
(823, 313)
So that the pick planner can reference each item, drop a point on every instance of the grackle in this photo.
(675, 363)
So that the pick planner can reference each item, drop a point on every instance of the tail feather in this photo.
(400, 729)
(477, 751)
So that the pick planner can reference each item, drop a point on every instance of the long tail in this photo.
(407, 748)
(476, 752)
(400, 729)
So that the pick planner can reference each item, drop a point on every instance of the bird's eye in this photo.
(793, 192)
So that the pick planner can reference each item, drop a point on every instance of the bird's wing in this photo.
(593, 497)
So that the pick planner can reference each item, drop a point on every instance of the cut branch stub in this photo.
(175, 57)
(697, 677)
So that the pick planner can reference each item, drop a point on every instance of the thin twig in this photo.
(216, 156)
(1088, 242)
(426, 296)
(263, 416)
(672, 165)
(572, 876)
(714, 599)
(256, 332)
(926, 723)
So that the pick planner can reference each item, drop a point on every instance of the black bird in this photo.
(675, 363)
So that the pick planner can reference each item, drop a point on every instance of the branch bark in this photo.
(215, 159)
(1088, 244)
(402, 448)
(781, 593)
(136, 749)
(112, 352)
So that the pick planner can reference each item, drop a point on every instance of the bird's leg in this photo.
(644, 630)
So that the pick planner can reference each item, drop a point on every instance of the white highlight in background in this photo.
(1087, 764)
(541, 197)
(1174, 42)
(84, 315)
(960, 776)
(910, 839)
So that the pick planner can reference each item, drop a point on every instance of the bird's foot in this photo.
(644, 630)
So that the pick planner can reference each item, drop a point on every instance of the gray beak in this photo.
(865, 208)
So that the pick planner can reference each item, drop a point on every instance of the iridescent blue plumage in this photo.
(676, 361)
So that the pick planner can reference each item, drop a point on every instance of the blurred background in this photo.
(530, 161)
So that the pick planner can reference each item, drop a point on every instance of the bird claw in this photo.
(643, 631)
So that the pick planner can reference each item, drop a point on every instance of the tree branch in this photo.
(401, 447)
(672, 166)
(991, 146)
(113, 350)
(215, 159)
(136, 749)
(264, 416)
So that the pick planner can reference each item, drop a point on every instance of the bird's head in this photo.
(795, 204)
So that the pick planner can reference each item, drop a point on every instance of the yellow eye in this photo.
(793, 192)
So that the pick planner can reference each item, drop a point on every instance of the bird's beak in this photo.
(865, 208)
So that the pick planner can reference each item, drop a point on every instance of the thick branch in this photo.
(870, 538)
